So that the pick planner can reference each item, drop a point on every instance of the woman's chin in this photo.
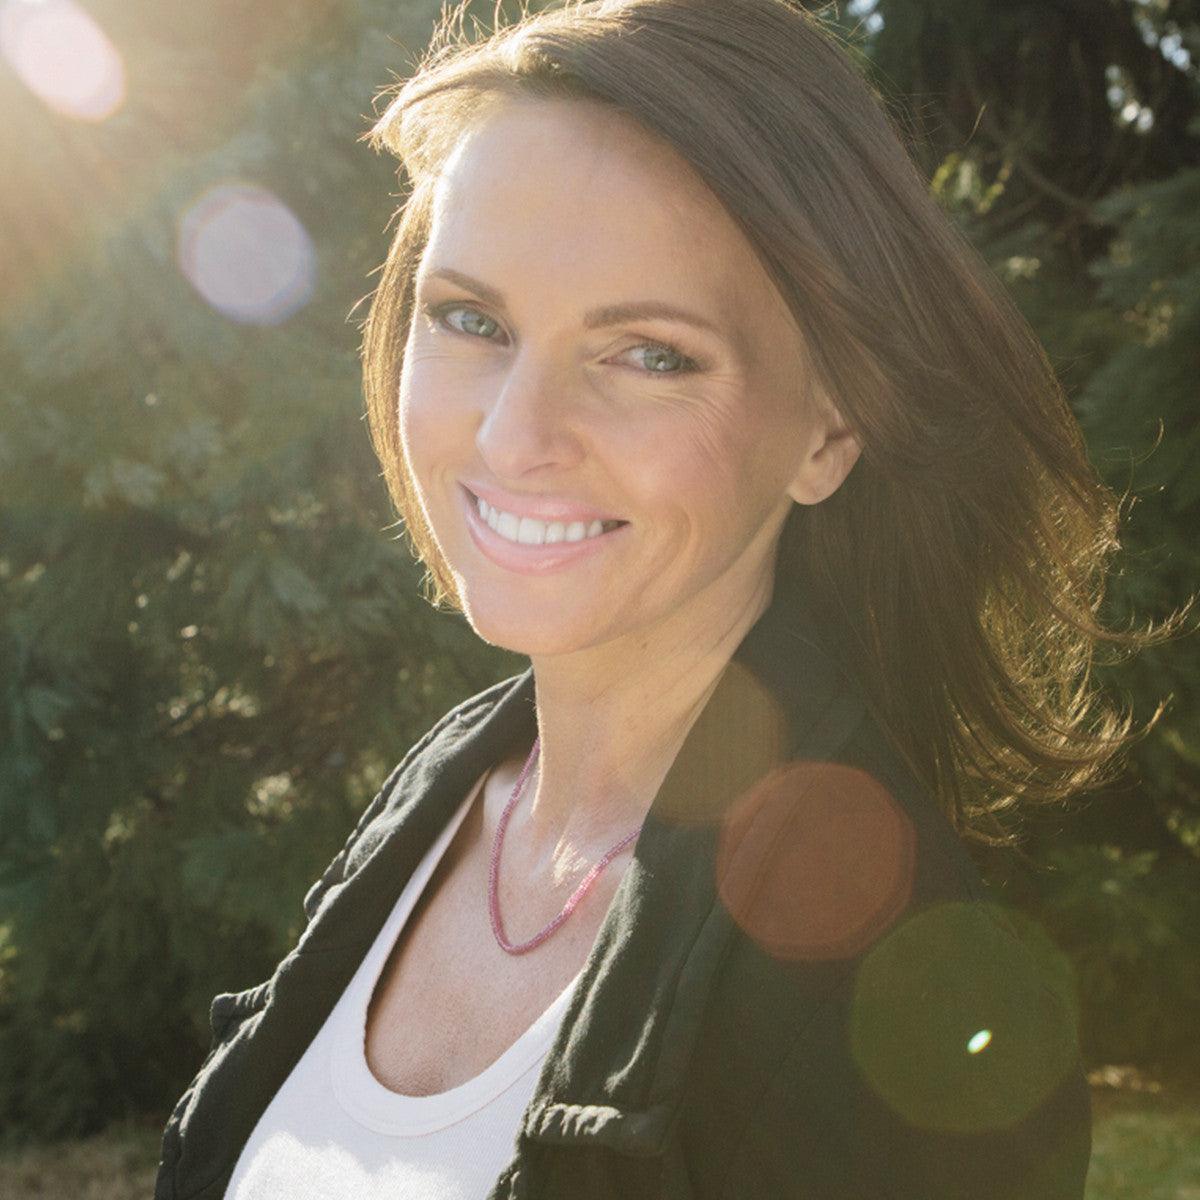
(524, 629)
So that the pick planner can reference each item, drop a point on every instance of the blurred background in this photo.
(213, 644)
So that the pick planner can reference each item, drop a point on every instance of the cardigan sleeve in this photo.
(945, 1067)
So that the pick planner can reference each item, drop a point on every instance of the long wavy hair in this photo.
(966, 553)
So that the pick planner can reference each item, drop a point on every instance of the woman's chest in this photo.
(449, 1001)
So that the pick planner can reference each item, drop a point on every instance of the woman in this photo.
(684, 910)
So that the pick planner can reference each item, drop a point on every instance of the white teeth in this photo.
(527, 531)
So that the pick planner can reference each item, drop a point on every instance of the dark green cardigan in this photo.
(787, 996)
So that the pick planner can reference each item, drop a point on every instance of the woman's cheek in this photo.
(419, 429)
(704, 452)
(425, 401)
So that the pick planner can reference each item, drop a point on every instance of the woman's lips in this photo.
(539, 508)
(530, 559)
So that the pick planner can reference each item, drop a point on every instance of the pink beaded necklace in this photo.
(494, 872)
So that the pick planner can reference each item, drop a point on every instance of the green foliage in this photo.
(1130, 925)
(1140, 414)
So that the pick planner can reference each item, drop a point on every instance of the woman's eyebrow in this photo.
(610, 314)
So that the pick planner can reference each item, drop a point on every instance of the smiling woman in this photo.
(687, 390)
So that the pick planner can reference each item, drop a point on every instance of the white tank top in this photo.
(334, 1132)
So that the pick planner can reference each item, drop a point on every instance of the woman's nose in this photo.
(528, 421)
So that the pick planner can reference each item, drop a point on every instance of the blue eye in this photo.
(438, 316)
(436, 313)
(686, 365)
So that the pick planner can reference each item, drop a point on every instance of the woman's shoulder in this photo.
(437, 743)
(849, 868)
(441, 739)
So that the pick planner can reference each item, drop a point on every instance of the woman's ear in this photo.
(831, 451)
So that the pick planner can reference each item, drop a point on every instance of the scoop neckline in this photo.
(379, 1107)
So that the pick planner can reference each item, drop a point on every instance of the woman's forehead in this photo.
(584, 196)
(552, 168)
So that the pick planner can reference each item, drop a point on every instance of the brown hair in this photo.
(967, 551)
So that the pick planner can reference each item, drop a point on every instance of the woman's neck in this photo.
(611, 725)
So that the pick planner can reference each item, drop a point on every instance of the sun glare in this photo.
(63, 56)
(247, 254)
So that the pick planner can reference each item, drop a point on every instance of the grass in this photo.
(1145, 1146)
(117, 1164)
(1145, 1143)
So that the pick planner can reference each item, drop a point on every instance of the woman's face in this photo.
(525, 383)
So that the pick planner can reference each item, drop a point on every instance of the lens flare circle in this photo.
(816, 860)
(956, 1024)
(62, 55)
(247, 254)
